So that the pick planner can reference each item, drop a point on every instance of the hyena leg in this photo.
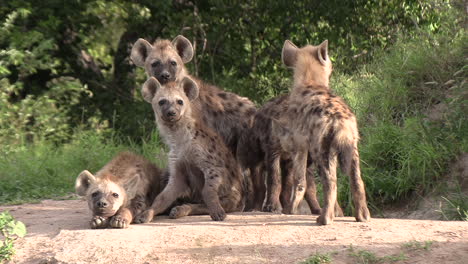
(272, 162)
(188, 209)
(174, 189)
(299, 168)
(327, 171)
(287, 182)
(311, 192)
(210, 193)
(350, 164)
(122, 219)
(99, 222)
(259, 188)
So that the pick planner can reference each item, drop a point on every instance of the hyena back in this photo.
(321, 121)
(226, 113)
(123, 188)
(201, 166)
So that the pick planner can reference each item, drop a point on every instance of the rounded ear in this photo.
(140, 51)
(83, 181)
(323, 52)
(149, 89)
(132, 183)
(184, 48)
(289, 54)
(190, 88)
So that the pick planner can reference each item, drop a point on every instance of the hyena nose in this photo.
(165, 75)
(102, 204)
(171, 113)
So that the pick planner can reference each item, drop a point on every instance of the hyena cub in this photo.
(120, 190)
(322, 123)
(226, 113)
(200, 165)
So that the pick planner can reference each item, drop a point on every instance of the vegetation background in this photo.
(70, 100)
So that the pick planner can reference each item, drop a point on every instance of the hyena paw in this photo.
(324, 220)
(99, 222)
(272, 207)
(177, 212)
(218, 215)
(144, 217)
(118, 221)
(362, 214)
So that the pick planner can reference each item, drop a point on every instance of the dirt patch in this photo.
(58, 233)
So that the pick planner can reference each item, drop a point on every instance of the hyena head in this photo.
(104, 196)
(171, 101)
(164, 60)
(311, 64)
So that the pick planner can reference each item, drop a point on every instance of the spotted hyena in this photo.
(320, 124)
(226, 113)
(262, 151)
(120, 190)
(200, 165)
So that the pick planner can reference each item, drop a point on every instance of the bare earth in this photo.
(58, 233)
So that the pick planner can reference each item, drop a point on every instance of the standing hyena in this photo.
(120, 190)
(226, 113)
(321, 124)
(262, 150)
(200, 165)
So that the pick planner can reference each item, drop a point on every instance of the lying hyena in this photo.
(120, 190)
(200, 165)
(261, 150)
(226, 113)
(321, 124)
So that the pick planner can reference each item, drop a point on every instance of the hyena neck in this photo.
(182, 74)
(309, 78)
(179, 133)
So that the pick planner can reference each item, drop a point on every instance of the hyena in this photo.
(262, 151)
(200, 165)
(123, 188)
(320, 124)
(226, 113)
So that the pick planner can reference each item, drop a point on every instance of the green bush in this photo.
(10, 230)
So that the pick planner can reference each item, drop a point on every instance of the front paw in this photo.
(118, 221)
(218, 215)
(273, 207)
(99, 222)
(145, 217)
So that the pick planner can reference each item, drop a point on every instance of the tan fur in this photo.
(226, 113)
(127, 185)
(321, 124)
(201, 166)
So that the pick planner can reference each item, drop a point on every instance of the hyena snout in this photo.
(102, 204)
(164, 76)
(170, 115)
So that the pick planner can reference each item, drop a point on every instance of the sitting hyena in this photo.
(120, 190)
(321, 124)
(262, 151)
(226, 113)
(200, 165)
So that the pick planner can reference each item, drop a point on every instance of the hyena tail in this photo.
(349, 163)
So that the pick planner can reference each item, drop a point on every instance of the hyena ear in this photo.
(184, 48)
(149, 89)
(190, 88)
(132, 183)
(82, 183)
(289, 54)
(140, 51)
(323, 52)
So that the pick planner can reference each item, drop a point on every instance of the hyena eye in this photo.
(94, 194)
(173, 63)
(180, 102)
(162, 102)
(156, 64)
(116, 195)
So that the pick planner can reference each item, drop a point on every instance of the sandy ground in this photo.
(58, 233)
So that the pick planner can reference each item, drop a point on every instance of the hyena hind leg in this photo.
(188, 209)
(349, 161)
